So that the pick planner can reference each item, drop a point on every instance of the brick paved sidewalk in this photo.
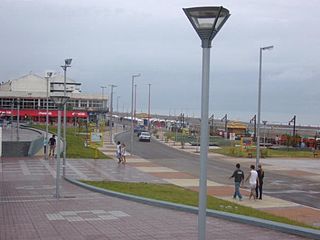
(29, 210)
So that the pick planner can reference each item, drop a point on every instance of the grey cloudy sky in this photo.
(109, 40)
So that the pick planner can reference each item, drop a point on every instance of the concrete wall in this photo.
(15, 149)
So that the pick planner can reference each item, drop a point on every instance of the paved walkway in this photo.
(28, 209)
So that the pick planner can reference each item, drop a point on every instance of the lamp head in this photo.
(207, 21)
(59, 100)
(136, 75)
(267, 48)
(68, 61)
(49, 74)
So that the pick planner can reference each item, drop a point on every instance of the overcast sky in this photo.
(111, 40)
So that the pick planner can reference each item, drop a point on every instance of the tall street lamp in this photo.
(60, 102)
(207, 21)
(259, 105)
(67, 63)
(111, 110)
(132, 94)
(47, 77)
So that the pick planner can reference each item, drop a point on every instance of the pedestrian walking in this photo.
(118, 152)
(238, 176)
(260, 172)
(52, 145)
(253, 181)
(123, 153)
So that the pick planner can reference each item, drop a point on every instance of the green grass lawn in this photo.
(272, 153)
(75, 144)
(175, 194)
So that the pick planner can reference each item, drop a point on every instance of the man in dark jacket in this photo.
(238, 176)
(259, 186)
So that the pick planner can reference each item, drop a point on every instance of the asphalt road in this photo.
(293, 189)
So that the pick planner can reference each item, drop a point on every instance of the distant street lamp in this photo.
(47, 77)
(207, 21)
(102, 95)
(59, 101)
(118, 97)
(225, 119)
(259, 105)
(111, 110)
(67, 63)
(18, 119)
(132, 94)
(293, 120)
(149, 102)
(135, 101)
(254, 121)
(264, 132)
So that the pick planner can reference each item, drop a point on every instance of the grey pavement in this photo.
(29, 210)
(10, 134)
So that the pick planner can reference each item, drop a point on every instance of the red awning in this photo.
(42, 113)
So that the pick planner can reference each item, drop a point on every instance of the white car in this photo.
(144, 136)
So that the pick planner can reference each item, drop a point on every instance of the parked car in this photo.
(144, 136)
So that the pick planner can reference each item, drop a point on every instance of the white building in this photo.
(30, 92)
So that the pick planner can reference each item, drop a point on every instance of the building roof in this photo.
(35, 86)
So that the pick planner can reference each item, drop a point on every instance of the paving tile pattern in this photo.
(28, 209)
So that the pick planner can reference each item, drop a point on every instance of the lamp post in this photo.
(207, 21)
(264, 132)
(118, 97)
(135, 102)
(293, 120)
(102, 96)
(254, 121)
(259, 106)
(18, 119)
(67, 63)
(60, 102)
(111, 110)
(47, 77)
(149, 102)
(132, 94)
(225, 119)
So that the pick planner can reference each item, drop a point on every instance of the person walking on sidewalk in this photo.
(253, 181)
(238, 176)
(52, 145)
(123, 153)
(118, 152)
(260, 180)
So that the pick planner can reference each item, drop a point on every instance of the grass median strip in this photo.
(76, 144)
(179, 195)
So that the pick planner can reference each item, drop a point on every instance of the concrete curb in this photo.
(286, 228)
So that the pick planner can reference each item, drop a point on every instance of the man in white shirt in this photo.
(253, 181)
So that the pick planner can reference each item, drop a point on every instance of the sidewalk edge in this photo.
(286, 228)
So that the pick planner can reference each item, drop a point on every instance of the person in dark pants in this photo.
(52, 145)
(259, 186)
(238, 176)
